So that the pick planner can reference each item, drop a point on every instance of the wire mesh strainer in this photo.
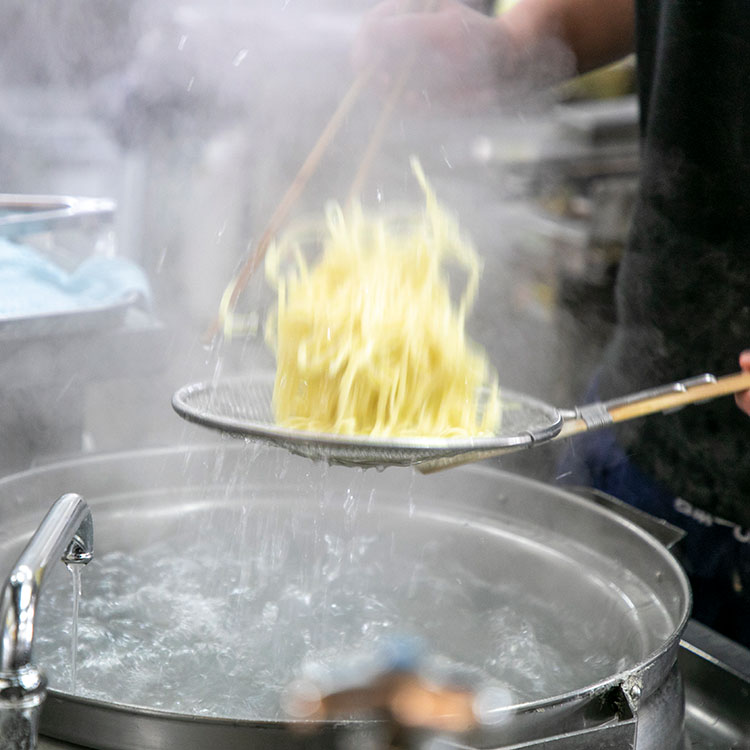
(241, 406)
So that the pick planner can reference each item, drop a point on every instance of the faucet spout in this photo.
(67, 534)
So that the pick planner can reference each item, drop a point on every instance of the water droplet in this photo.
(270, 613)
(239, 57)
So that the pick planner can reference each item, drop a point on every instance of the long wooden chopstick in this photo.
(376, 137)
(394, 95)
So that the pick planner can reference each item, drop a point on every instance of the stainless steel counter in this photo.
(717, 686)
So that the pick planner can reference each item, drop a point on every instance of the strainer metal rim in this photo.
(189, 402)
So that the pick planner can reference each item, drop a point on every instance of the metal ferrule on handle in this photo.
(681, 386)
(66, 534)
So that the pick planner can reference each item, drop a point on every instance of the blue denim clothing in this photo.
(715, 552)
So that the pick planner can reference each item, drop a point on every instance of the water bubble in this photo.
(270, 613)
(255, 588)
(491, 705)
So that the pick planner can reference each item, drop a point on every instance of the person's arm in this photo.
(597, 32)
(461, 54)
(743, 399)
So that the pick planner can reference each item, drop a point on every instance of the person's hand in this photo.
(743, 399)
(458, 55)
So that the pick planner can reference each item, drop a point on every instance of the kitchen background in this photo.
(193, 118)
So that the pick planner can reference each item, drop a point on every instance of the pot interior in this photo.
(221, 574)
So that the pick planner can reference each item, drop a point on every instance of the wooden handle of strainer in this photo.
(668, 398)
(601, 414)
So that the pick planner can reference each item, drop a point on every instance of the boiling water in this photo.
(214, 607)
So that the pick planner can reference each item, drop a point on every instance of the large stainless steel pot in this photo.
(451, 553)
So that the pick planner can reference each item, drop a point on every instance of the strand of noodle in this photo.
(369, 388)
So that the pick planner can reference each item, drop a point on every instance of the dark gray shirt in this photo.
(683, 291)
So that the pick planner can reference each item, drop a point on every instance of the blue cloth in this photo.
(715, 552)
(31, 284)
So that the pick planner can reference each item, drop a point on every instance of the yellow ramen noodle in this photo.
(368, 340)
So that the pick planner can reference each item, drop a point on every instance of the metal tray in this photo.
(29, 214)
(24, 215)
(67, 322)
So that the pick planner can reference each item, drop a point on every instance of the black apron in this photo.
(683, 300)
(683, 290)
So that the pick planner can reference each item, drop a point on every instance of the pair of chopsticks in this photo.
(308, 168)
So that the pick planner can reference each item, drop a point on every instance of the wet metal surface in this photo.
(717, 693)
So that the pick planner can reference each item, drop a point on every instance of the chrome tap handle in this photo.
(66, 533)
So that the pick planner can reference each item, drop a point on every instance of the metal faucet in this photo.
(66, 533)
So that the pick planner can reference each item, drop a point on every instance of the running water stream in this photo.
(75, 574)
